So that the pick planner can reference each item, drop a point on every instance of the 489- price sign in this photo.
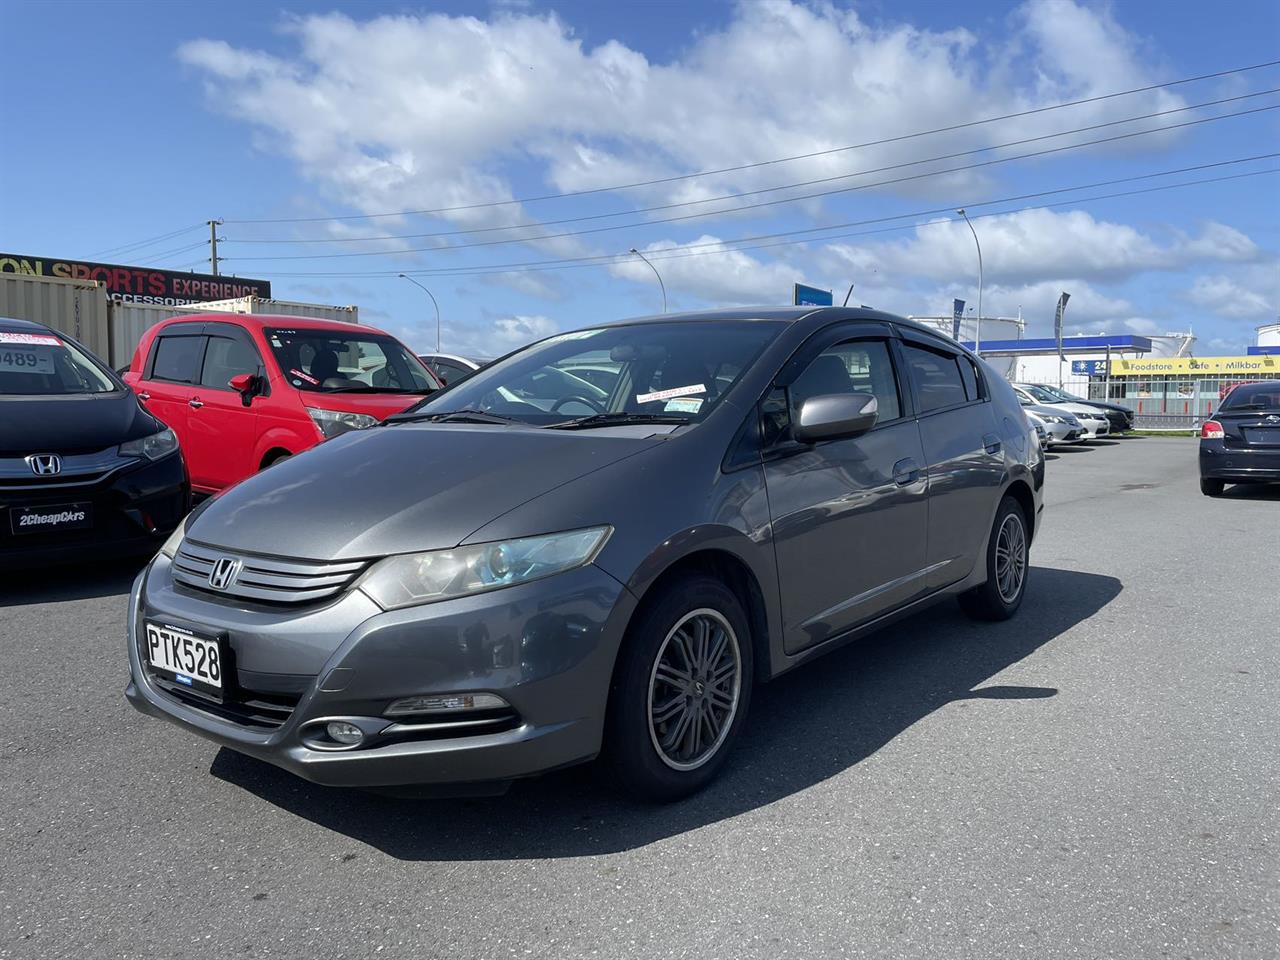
(27, 353)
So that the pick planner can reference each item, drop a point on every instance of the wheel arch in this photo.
(1020, 490)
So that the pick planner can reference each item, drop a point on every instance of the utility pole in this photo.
(213, 246)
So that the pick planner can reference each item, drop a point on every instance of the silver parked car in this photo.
(1058, 426)
(1093, 420)
(501, 581)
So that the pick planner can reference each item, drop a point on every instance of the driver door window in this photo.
(856, 366)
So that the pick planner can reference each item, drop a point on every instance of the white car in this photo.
(1058, 426)
(1093, 420)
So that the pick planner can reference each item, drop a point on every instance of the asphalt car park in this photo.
(1096, 777)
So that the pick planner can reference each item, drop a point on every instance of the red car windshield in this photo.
(332, 361)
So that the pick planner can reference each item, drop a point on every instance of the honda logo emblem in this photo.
(224, 573)
(45, 464)
(1273, 419)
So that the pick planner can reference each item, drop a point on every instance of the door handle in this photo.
(144, 396)
(905, 472)
(195, 403)
(991, 443)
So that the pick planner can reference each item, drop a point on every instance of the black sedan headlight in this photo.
(153, 447)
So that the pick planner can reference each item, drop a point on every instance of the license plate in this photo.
(190, 659)
(1264, 436)
(61, 516)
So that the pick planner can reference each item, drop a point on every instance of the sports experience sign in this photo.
(139, 284)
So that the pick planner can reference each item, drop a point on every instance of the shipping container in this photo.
(290, 308)
(77, 308)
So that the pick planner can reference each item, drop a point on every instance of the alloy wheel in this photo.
(1011, 557)
(694, 689)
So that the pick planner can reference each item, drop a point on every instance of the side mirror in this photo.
(245, 384)
(836, 416)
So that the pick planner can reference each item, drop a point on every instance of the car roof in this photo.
(13, 325)
(807, 315)
(447, 356)
(259, 321)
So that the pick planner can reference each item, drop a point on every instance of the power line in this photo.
(139, 244)
(765, 203)
(806, 235)
(762, 190)
(153, 258)
(762, 163)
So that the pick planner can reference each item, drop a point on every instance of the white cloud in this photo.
(429, 111)
(718, 275)
(1035, 243)
(1228, 297)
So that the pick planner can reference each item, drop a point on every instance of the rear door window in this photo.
(178, 359)
(936, 378)
(225, 358)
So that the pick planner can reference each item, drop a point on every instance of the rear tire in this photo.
(681, 690)
(1008, 563)
(1211, 488)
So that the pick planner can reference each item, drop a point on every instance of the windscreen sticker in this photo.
(670, 394)
(304, 376)
(37, 360)
(683, 406)
(29, 340)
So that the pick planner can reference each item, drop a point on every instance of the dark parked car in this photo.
(489, 586)
(85, 472)
(1241, 444)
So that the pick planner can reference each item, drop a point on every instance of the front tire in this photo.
(1008, 562)
(680, 690)
(1212, 488)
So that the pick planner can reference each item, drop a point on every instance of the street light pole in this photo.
(433, 303)
(977, 339)
(656, 274)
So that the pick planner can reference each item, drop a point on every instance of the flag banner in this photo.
(1057, 322)
(957, 312)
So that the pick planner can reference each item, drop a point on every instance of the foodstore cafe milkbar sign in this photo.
(1192, 367)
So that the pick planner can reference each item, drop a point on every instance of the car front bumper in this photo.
(134, 509)
(1061, 433)
(546, 647)
(1093, 429)
(1239, 464)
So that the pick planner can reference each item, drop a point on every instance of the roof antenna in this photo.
(847, 296)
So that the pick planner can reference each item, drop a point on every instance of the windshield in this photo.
(44, 364)
(675, 372)
(1063, 395)
(1041, 394)
(1254, 396)
(332, 361)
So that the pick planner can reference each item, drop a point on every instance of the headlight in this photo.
(333, 422)
(413, 578)
(153, 447)
(170, 547)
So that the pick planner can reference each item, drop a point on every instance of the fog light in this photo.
(451, 703)
(342, 732)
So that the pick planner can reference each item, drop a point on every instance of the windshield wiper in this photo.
(464, 415)
(614, 419)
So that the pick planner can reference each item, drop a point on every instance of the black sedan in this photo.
(1119, 418)
(1241, 444)
(84, 470)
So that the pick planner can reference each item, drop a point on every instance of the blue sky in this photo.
(126, 121)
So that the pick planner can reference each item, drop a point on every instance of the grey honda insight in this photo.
(531, 568)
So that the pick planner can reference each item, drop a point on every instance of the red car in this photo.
(244, 392)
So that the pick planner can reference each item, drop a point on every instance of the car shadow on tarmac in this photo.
(805, 727)
(58, 584)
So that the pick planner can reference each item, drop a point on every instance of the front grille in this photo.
(263, 579)
(262, 711)
(75, 470)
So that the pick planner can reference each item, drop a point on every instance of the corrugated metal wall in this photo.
(129, 321)
(288, 308)
(77, 308)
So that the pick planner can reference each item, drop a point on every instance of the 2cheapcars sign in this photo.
(139, 284)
